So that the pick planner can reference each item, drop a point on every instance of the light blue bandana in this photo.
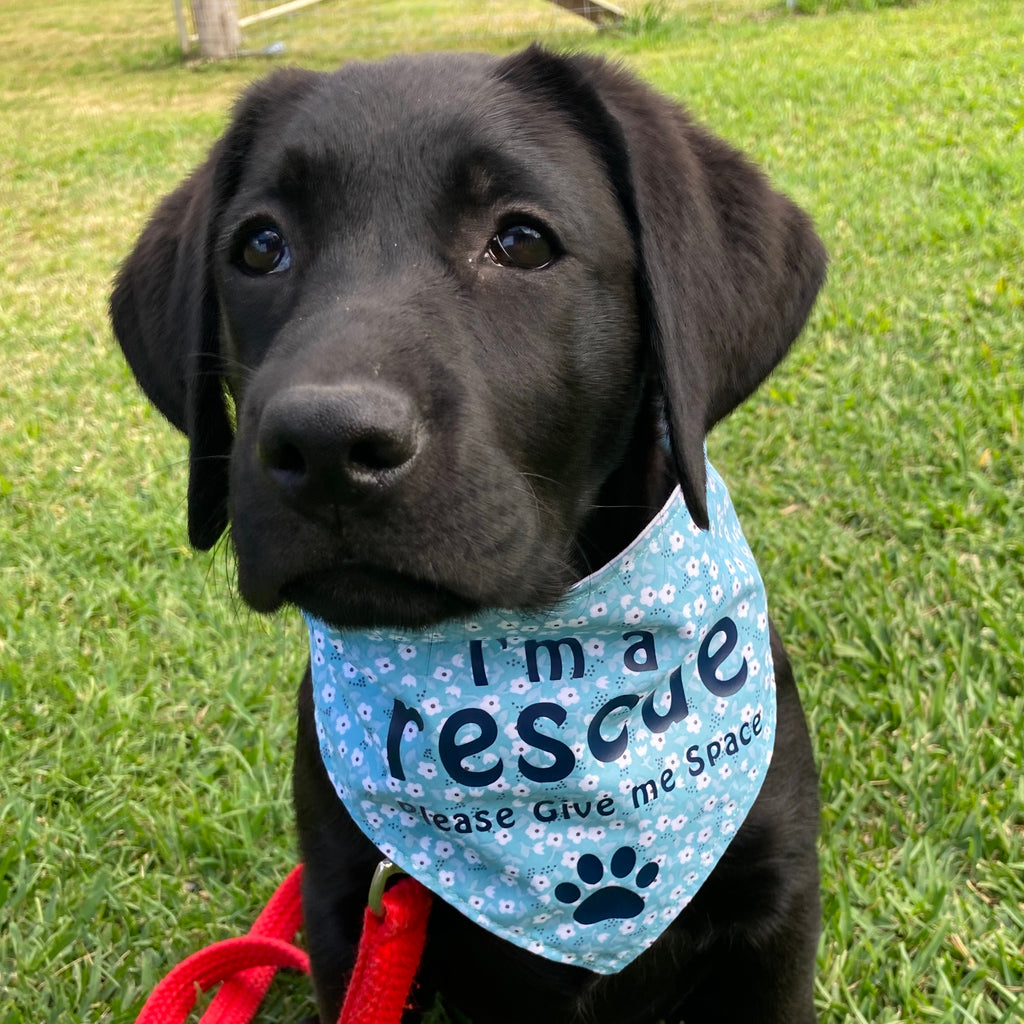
(567, 779)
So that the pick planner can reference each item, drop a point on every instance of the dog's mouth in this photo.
(359, 594)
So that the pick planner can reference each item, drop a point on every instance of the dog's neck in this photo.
(629, 498)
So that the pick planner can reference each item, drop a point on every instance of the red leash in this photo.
(389, 955)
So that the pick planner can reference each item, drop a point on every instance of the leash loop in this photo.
(384, 871)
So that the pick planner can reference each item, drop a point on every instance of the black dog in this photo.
(425, 324)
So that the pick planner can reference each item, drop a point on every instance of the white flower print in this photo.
(568, 695)
(648, 596)
(407, 652)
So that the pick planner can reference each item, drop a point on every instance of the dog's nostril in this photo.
(287, 458)
(381, 453)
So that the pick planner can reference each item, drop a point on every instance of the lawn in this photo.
(146, 716)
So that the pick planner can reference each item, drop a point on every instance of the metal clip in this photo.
(383, 872)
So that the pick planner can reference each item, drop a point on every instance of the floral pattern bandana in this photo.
(567, 779)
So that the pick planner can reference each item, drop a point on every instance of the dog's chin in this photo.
(361, 596)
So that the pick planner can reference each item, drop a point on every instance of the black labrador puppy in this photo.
(443, 333)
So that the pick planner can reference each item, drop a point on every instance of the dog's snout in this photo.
(325, 447)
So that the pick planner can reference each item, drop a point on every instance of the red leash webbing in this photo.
(386, 964)
(389, 956)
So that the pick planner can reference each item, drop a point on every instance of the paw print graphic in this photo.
(610, 901)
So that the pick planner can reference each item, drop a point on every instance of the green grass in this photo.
(146, 716)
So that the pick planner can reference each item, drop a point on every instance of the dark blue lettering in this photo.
(609, 750)
(645, 645)
(476, 662)
(707, 664)
(648, 794)
(678, 709)
(564, 759)
(554, 649)
(401, 716)
(453, 753)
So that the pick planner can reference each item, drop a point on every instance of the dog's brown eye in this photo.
(522, 246)
(265, 252)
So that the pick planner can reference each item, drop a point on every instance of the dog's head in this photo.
(423, 320)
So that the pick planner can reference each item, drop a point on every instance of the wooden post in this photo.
(217, 28)
(593, 10)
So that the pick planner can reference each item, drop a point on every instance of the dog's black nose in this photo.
(326, 447)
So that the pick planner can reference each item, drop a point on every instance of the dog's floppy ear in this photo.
(728, 267)
(164, 308)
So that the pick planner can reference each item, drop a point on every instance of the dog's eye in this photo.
(265, 251)
(522, 246)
